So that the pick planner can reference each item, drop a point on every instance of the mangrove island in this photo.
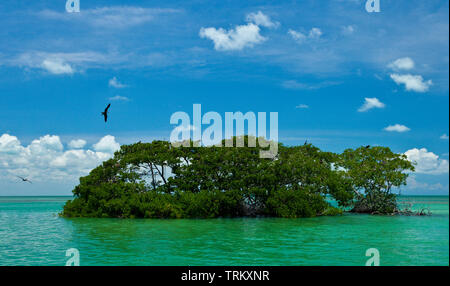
(157, 180)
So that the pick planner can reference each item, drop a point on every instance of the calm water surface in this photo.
(31, 233)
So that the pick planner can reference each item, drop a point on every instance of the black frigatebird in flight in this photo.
(105, 113)
(24, 179)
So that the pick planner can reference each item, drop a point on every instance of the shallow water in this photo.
(31, 233)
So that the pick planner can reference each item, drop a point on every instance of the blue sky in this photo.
(316, 63)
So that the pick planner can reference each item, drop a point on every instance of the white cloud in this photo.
(45, 159)
(113, 82)
(261, 19)
(402, 64)
(412, 82)
(80, 61)
(119, 98)
(77, 144)
(10, 144)
(302, 106)
(293, 84)
(83, 160)
(234, 39)
(397, 128)
(371, 103)
(46, 143)
(298, 36)
(413, 184)
(115, 17)
(348, 30)
(62, 63)
(444, 137)
(427, 162)
(314, 33)
(57, 66)
(107, 144)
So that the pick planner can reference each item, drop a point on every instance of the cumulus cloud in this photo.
(107, 144)
(57, 66)
(45, 159)
(261, 19)
(444, 137)
(77, 144)
(242, 36)
(427, 162)
(402, 64)
(46, 143)
(9, 144)
(397, 128)
(371, 103)
(412, 82)
(234, 39)
(299, 37)
(79, 159)
(113, 82)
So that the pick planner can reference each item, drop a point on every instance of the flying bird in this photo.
(105, 113)
(24, 179)
(368, 146)
(306, 142)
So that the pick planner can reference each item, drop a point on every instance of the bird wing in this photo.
(22, 178)
(106, 116)
(106, 109)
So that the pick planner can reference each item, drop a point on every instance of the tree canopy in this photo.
(156, 180)
(374, 171)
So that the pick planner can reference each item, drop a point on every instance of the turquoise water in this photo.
(31, 233)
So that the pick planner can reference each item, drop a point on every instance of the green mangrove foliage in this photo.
(373, 173)
(156, 180)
